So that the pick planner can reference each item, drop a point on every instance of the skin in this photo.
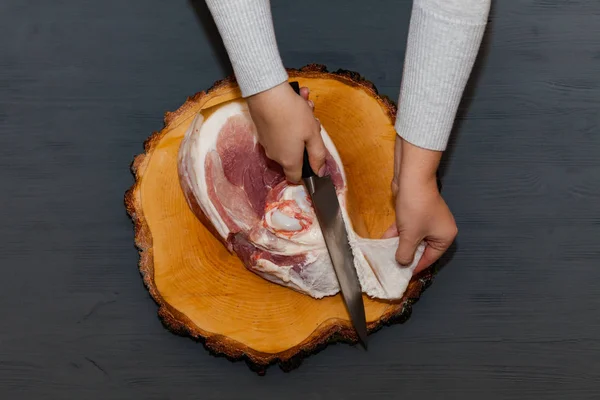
(285, 124)
(422, 215)
(421, 212)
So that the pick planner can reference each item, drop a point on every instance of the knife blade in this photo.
(329, 215)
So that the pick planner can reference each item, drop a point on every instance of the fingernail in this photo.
(321, 172)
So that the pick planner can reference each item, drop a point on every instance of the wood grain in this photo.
(511, 316)
(235, 312)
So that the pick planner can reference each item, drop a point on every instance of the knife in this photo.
(327, 209)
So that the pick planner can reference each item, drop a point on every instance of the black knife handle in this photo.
(296, 86)
(307, 171)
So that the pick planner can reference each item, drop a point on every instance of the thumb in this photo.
(390, 232)
(407, 246)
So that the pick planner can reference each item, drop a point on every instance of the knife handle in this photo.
(307, 171)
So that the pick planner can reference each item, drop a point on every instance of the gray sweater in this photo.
(443, 42)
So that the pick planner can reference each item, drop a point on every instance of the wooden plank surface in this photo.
(514, 314)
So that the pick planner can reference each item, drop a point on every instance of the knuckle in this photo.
(453, 232)
(403, 260)
(320, 155)
(288, 165)
(394, 186)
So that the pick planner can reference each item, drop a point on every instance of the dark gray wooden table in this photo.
(515, 313)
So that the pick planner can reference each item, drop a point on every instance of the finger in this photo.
(430, 255)
(292, 163)
(395, 187)
(407, 246)
(304, 92)
(293, 174)
(390, 232)
(316, 153)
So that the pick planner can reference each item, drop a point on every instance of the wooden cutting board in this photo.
(205, 292)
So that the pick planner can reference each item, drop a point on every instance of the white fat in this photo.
(379, 273)
(305, 241)
(284, 222)
(298, 194)
(314, 278)
(310, 239)
(302, 203)
(208, 130)
(281, 272)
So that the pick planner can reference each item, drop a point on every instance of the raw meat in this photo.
(244, 199)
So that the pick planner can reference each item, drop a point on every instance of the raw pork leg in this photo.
(244, 199)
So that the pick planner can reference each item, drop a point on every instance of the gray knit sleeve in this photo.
(443, 42)
(246, 27)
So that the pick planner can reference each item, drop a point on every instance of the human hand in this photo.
(422, 215)
(285, 125)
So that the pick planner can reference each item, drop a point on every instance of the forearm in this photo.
(443, 43)
(246, 27)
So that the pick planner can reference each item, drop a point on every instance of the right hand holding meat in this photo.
(285, 124)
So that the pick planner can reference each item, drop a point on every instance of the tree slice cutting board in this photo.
(205, 292)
